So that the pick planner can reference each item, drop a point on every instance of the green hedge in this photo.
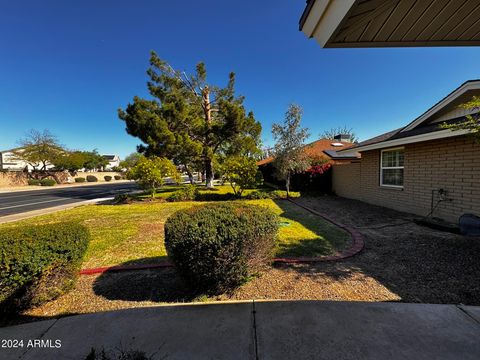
(107, 178)
(91, 178)
(39, 263)
(275, 194)
(48, 182)
(216, 247)
(79, 179)
(33, 182)
(189, 193)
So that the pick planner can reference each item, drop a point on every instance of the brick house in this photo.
(326, 149)
(421, 168)
(323, 151)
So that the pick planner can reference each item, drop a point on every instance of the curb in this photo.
(357, 247)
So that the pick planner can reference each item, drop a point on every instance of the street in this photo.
(23, 201)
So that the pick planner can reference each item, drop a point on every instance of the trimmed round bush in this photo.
(91, 178)
(107, 178)
(79, 179)
(188, 193)
(216, 247)
(33, 182)
(117, 177)
(48, 182)
(38, 263)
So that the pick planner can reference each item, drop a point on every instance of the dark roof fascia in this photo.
(305, 14)
(443, 99)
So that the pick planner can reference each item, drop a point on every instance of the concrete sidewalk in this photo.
(261, 330)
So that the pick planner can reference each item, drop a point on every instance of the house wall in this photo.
(345, 179)
(452, 164)
(11, 163)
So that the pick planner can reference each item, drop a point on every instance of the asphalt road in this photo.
(17, 202)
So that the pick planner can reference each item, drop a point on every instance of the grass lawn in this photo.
(134, 233)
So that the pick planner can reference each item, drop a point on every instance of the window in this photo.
(391, 167)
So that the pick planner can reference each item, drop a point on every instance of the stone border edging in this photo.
(357, 247)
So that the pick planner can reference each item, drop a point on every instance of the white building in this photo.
(8, 161)
(113, 161)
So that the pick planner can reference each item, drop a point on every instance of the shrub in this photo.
(216, 247)
(282, 194)
(79, 179)
(151, 172)
(107, 178)
(188, 193)
(242, 173)
(257, 195)
(122, 199)
(33, 182)
(117, 177)
(91, 178)
(48, 182)
(39, 263)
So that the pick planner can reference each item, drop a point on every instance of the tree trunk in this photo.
(207, 109)
(208, 173)
(287, 185)
(190, 175)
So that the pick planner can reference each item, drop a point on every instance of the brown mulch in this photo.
(401, 261)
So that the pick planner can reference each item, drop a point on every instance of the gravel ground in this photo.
(401, 262)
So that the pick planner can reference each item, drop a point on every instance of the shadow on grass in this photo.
(329, 238)
(156, 285)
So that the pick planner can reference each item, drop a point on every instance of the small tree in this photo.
(472, 121)
(94, 161)
(151, 172)
(130, 160)
(330, 134)
(39, 149)
(290, 138)
(241, 173)
(72, 161)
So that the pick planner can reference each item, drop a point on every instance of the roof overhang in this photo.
(392, 23)
(457, 94)
(442, 134)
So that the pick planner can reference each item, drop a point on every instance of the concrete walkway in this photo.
(261, 330)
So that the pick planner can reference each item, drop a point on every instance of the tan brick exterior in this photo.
(345, 180)
(452, 164)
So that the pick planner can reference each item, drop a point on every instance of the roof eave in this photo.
(409, 140)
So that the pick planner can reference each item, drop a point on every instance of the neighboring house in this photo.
(421, 168)
(319, 179)
(385, 23)
(9, 162)
(113, 161)
(326, 149)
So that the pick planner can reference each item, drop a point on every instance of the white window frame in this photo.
(395, 167)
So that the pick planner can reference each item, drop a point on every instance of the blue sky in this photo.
(69, 65)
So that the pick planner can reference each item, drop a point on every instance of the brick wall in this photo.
(452, 164)
(345, 180)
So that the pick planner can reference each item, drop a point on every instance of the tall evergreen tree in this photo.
(188, 120)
